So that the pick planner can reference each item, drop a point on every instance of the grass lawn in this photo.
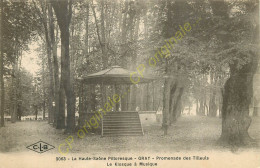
(189, 133)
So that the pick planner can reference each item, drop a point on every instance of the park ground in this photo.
(189, 133)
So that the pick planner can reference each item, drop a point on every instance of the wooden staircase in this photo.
(121, 124)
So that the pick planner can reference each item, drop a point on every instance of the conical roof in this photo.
(114, 75)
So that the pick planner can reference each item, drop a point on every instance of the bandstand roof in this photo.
(114, 75)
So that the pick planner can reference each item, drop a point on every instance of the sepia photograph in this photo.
(129, 83)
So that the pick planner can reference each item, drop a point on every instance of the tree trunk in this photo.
(36, 112)
(88, 91)
(175, 110)
(43, 90)
(123, 57)
(14, 92)
(19, 93)
(81, 112)
(103, 42)
(172, 102)
(206, 107)
(123, 35)
(19, 112)
(61, 109)
(69, 92)
(166, 105)
(50, 68)
(43, 107)
(2, 91)
(63, 11)
(135, 22)
(56, 111)
(49, 35)
(202, 108)
(237, 96)
(197, 107)
(212, 101)
(221, 102)
(212, 105)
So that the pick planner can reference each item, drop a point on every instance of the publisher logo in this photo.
(40, 147)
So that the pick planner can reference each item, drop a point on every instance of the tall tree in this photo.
(178, 13)
(17, 30)
(83, 88)
(238, 90)
(59, 109)
(41, 8)
(63, 11)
